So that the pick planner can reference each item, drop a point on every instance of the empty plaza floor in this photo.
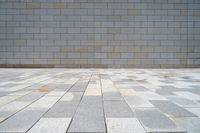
(100, 100)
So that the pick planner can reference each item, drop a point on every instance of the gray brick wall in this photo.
(100, 33)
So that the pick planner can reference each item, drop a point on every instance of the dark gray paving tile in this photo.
(62, 109)
(117, 109)
(156, 122)
(89, 116)
(171, 108)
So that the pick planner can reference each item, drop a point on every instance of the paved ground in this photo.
(100, 101)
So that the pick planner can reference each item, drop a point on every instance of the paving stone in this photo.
(137, 102)
(33, 96)
(63, 109)
(72, 96)
(11, 108)
(127, 92)
(155, 122)
(79, 87)
(151, 96)
(171, 109)
(6, 99)
(51, 125)
(188, 95)
(195, 111)
(183, 102)
(124, 125)
(92, 92)
(112, 96)
(44, 102)
(89, 116)
(117, 109)
(191, 124)
(56, 93)
(21, 121)
(139, 88)
(19, 93)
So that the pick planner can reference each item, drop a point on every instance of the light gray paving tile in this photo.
(195, 111)
(33, 96)
(56, 93)
(6, 99)
(112, 96)
(19, 93)
(137, 102)
(72, 96)
(21, 121)
(117, 109)
(124, 125)
(155, 122)
(171, 109)
(79, 87)
(63, 109)
(89, 116)
(139, 88)
(11, 108)
(44, 102)
(92, 92)
(188, 95)
(183, 102)
(51, 125)
(191, 124)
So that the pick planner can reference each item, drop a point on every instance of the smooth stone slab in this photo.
(183, 102)
(21, 121)
(92, 92)
(6, 99)
(156, 122)
(19, 93)
(124, 125)
(164, 92)
(127, 92)
(63, 109)
(44, 102)
(151, 96)
(195, 111)
(188, 95)
(89, 116)
(117, 109)
(51, 125)
(112, 96)
(79, 87)
(33, 96)
(56, 93)
(72, 96)
(191, 124)
(171, 109)
(11, 108)
(137, 102)
(139, 88)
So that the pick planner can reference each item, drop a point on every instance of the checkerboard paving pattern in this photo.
(100, 100)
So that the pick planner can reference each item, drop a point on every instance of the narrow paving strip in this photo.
(100, 101)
